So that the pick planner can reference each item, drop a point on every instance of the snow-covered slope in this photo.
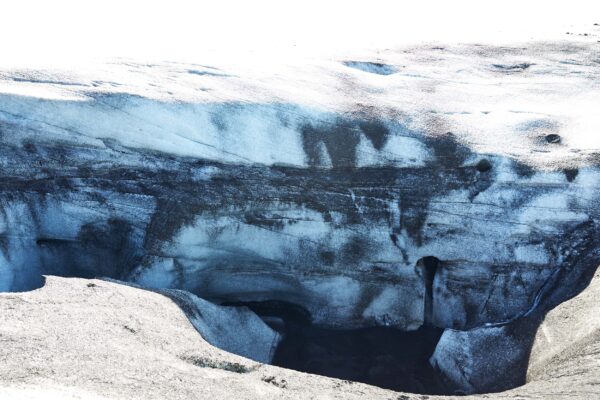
(496, 99)
(134, 344)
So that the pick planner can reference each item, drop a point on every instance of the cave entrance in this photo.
(380, 356)
(428, 268)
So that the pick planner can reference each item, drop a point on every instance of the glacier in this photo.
(322, 184)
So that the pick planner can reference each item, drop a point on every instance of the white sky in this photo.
(45, 31)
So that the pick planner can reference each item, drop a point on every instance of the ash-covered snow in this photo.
(165, 107)
(234, 329)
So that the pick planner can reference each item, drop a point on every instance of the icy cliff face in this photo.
(325, 185)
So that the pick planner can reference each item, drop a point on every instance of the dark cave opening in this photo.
(428, 267)
(380, 356)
